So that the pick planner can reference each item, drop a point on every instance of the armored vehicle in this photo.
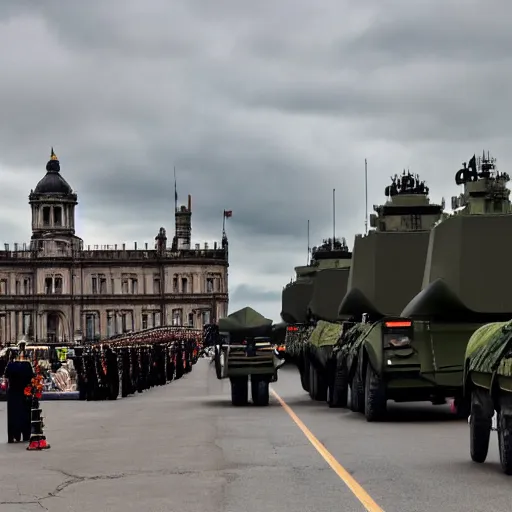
(488, 386)
(314, 297)
(460, 293)
(243, 347)
(386, 273)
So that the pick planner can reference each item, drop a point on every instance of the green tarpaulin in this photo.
(488, 347)
(246, 320)
(325, 333)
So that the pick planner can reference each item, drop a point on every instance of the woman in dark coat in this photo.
(19, 374)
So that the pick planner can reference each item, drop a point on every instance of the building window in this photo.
(209, 285)
(94, 285)
(144, 321)
(46, 215)
(156, 319)
(90, 329)
(175, 284)
(113, 285)
(103, 285)
(206, 317)
(18, 287)
(176, 317)
(134, 286)
(110, 324)
(57, 216)
(48, 285)
(184, 285)
(156, 285)
(3, 286)
(26, 323)
(124, 324)
(191, 319)
(124, 285)
(58, 285)
(26, 286)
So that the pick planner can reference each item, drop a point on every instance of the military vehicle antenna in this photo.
(333, 217)
(366, 197)
(309, 248)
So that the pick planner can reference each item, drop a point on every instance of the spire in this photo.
(53, 156)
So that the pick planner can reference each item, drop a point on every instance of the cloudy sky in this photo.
(264, 107)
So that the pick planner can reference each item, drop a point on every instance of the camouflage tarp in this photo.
(295, 300)
(353, 337)
(295, 340)
(488, 347)
(246, 321)
(325, 333)
(328, 291)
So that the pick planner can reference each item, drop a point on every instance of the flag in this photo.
(228, 213)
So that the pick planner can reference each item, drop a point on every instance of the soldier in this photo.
(19, 374)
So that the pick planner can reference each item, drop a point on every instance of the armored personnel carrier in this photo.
(460, 293)
(314, 297)
(244, 347)
(386, 273)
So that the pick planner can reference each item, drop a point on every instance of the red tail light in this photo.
(292, 328)
(398, 324)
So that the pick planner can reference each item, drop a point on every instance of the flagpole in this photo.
(366, 196)
(224, 222)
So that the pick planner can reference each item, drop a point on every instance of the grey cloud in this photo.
(263, 110)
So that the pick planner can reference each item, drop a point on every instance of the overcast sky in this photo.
(264, 107)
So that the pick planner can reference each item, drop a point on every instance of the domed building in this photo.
(57, 289)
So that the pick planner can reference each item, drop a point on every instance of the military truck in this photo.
(488, 387)
(374, 353)
(314, 297)
(243, 347)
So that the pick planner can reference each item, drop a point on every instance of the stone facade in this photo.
(55, 288)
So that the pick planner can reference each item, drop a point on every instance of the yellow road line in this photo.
(366, 500)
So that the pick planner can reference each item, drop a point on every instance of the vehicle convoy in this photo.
(374, 355)
(243, 347)
(419, 354)
(314, 297)
(488, 386)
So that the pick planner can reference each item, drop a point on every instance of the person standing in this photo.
(19, 374)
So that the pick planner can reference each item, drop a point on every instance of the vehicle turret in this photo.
(468, 254)
(388, 263)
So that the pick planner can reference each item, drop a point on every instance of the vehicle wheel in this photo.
(317, 385)
(374, 395)
(239, 391)
(479, 432)
(505, 442)
(339, 390)
(356, 394)
(259, 390)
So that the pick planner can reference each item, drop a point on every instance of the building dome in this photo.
(53, 182)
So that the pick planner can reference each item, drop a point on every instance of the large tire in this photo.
(317, 385)
(356, 394)
(259, 390)
(338, 393)
(239, 391)
(505, 442)
(375, 400)
(479, 431)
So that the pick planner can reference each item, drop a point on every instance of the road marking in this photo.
(366, 500)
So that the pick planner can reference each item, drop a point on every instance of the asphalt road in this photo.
(184, 448)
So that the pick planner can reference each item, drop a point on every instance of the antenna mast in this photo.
(333, 217)
(307, 261)
(365, 197)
